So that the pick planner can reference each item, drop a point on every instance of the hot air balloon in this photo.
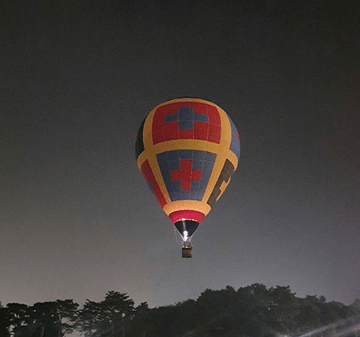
(186, 150)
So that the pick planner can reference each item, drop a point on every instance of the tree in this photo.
(310, 311)
(283, 309)
(4, 321)
(110, 317)
(142, 320)
(163, 322)
(19, 319)
(45, 319)
(253, 304)
(117, 309)
(90, 319)
(54, 319)
(355, 307)
(251, 311)
(67, 315)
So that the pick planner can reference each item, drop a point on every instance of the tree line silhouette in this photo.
(252, 311)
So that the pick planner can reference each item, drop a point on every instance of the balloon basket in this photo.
(187, 252)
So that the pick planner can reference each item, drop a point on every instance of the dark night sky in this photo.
(77, 79)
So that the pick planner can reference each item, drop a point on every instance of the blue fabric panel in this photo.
(206, 172)
(186, 125)
(185, 154)
(201, 161)
(174, 165)
(162, 158)
(186, 113)
(199, 155)
(235, 144)
(201, 118)
(171, 155)
(175, 195)
(197, 165)
(184, 195)
(210, 157)
(195, 187)
(171, 118)
(165, 171)
(176, 186)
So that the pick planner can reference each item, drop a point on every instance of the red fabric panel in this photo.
(150, 178)
(187, 215)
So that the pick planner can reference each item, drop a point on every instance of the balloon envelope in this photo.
(187, 149)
